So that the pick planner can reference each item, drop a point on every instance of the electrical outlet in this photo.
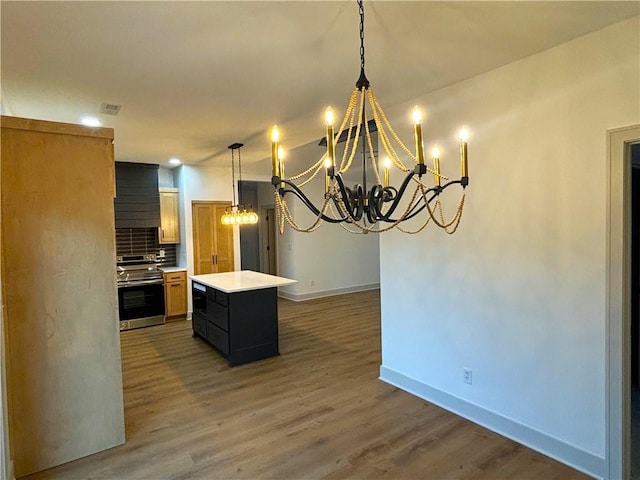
(313, 283)
(467, 375)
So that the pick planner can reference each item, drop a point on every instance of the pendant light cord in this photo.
(233, 177)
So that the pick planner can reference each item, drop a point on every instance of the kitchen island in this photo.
(237, 313)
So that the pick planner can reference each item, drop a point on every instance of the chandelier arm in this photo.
(282, 205)
(308, 203)
(355, 197)
(420, 204)
(338, 199)
(428, 217)
(378, 196)
(343, 225)
(372, 228)
(338, 204)
(357, 205)
(286, 214)
(375, 201)
(436, 191)
(372, 210)
(387, 217)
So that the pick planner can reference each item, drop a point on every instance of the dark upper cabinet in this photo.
(137, 203)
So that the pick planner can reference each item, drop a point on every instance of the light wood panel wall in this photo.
(6, 471)
(63, 347)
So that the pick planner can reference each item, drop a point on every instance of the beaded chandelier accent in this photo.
(381, 207)
(238, 214)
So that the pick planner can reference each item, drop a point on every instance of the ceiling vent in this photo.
(110, 108)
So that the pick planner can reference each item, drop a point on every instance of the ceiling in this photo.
(194, 77)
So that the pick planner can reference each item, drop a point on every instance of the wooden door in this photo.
(224, 243)
(212, 241)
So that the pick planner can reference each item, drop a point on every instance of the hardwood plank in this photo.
(316, 411)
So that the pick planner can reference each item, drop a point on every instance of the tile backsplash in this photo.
(141, 241)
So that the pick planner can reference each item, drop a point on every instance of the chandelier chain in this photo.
(361, 11)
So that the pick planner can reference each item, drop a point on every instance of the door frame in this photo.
(271, 223)
(618, 301)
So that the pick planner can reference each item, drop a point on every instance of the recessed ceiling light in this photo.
(90, 121)
(175, 161)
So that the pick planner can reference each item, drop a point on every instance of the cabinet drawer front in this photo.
(218, 314)
(218, 338)
(175, 277)
(199, 325)
(222, 298)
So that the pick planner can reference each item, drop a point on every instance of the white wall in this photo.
(165, 177)
(518, 293)
(207, 184)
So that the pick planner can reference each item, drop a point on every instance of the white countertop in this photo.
(230, 282)
(173, 269)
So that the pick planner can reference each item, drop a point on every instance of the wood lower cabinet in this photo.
(175, 295)
(242, 326)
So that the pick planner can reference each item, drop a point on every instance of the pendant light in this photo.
(238, 214)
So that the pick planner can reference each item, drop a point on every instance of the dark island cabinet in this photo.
(242, 326)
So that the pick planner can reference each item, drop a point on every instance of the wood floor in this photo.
(316, 411)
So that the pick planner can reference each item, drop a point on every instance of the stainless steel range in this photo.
(140, 291)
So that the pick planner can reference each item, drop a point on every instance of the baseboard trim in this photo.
(327, 293)
(550, 446)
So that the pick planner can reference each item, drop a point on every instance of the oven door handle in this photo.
(135, 283)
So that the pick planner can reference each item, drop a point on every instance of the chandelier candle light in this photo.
(238, 214)
(380, 208)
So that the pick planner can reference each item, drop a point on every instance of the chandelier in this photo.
(380, 207)
(238, 214)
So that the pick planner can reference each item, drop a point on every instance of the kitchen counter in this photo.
(232, 282)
